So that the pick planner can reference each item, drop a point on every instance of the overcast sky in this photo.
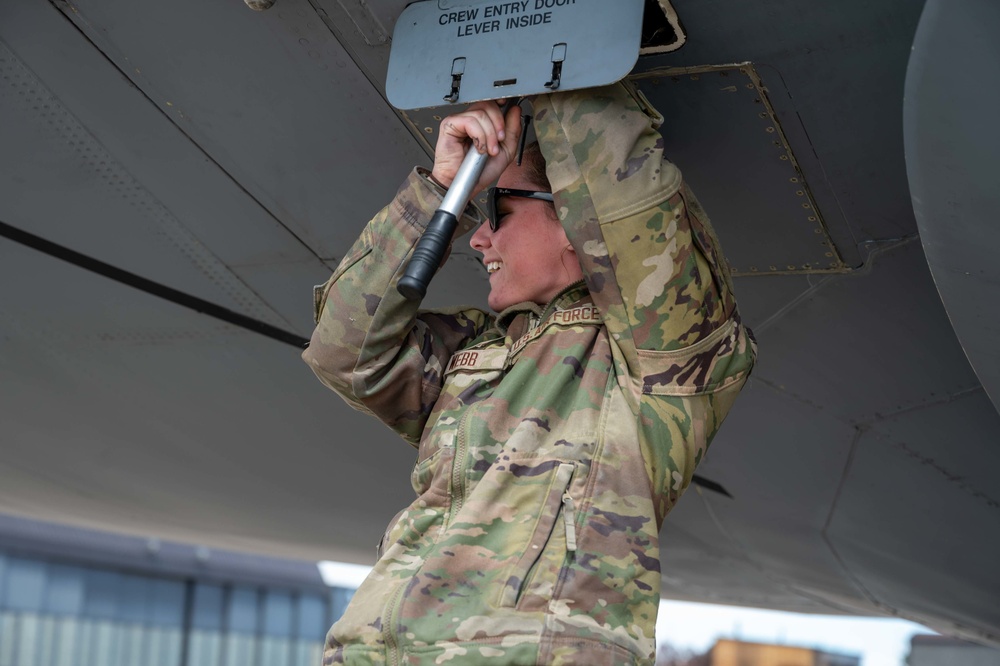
(879, 642)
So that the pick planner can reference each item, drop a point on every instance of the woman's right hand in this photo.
(481, 127)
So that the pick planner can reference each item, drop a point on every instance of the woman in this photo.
(554, 436)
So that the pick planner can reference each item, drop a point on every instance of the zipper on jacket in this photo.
(569, 518)
(557, 500)
(389, 626)
(458, 467)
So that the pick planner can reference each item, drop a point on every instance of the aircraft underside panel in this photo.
(231, 157)
(952, 142)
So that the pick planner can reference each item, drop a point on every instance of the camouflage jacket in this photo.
(552, 440)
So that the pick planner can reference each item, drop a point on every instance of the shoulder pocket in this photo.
(719, 360)
(360, 248)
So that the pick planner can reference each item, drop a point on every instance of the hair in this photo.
(533, 166)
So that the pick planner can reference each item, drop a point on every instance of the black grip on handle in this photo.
(427, 255)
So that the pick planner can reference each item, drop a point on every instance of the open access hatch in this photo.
(461, 51)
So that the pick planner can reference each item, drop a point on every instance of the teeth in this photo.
(493, 266)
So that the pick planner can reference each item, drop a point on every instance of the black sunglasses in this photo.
(494, 194)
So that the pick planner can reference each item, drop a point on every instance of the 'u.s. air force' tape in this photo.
(580, 315)
(478, 360)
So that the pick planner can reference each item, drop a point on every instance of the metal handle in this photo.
(430, 249)
(434, 242)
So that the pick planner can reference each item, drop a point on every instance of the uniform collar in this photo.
(517, 319)
(567, 297)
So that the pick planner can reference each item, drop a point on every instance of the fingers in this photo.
(492, 122)
(484, 125)
(512, 136)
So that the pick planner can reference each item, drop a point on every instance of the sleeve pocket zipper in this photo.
(569, 518)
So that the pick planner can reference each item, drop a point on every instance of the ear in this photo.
(574, 271)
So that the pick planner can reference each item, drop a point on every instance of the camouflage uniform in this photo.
(552, 440)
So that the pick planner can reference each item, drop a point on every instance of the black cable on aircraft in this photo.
(710, 485)
(150, 287)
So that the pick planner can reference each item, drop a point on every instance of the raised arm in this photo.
(371, 345)
(654, 268)
(650, 257)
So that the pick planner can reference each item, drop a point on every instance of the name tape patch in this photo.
(477, 359)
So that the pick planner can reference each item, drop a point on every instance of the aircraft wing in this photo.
(174, 178)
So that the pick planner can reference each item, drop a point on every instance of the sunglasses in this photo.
(494, 194)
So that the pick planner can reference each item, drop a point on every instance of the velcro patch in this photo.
(580, 315)
(584, 314)
(474, 360)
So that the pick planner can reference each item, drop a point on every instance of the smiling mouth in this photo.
(493, 266)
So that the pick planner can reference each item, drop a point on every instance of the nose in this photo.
(481, 239)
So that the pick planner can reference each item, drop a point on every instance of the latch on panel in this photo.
(558, 56)
(457, 70)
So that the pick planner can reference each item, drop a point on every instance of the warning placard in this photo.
(503, 16)
(447, 52)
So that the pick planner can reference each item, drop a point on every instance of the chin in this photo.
(498, 303)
